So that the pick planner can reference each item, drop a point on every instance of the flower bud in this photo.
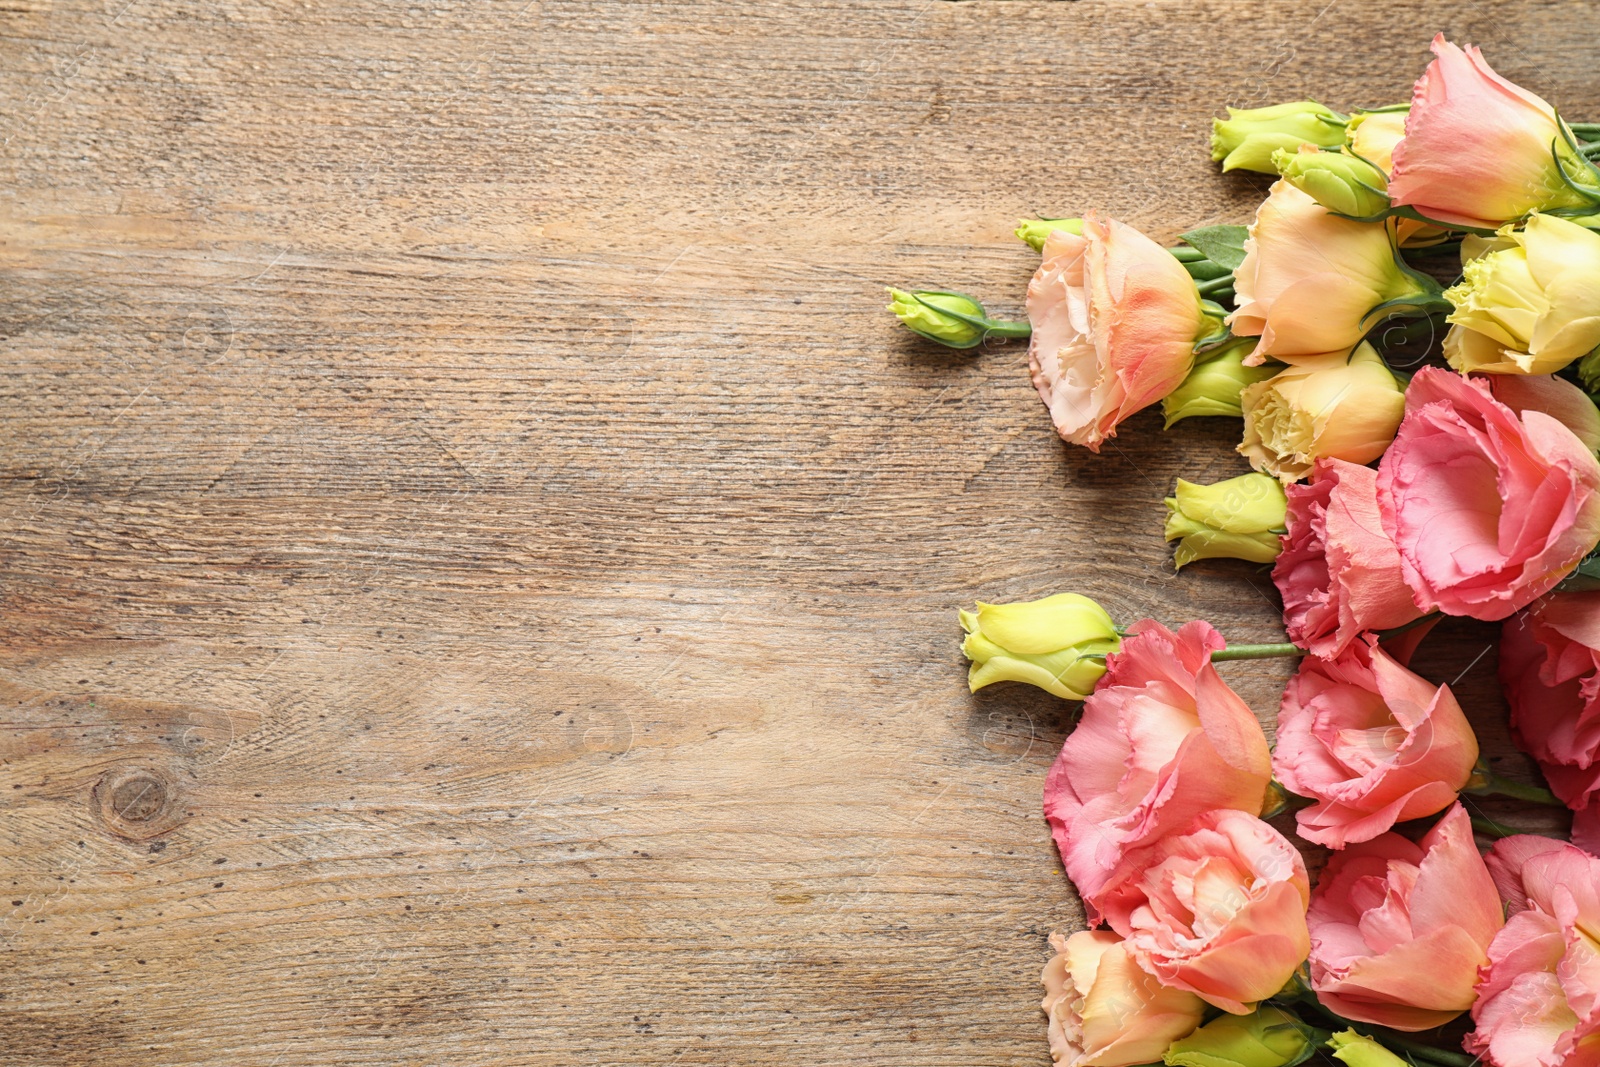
(1240, 518)
(1059, 644)
(1034, 231)
(1351, 1048)
(1246, 139)
(953, 319)
(1267, 1037)
(1530, 308)
(1339, 182)
(1213, 387)
(1372, 135)
(1328, 407)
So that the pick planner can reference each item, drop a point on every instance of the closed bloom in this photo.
(1160, 741)
(1550, 671)
(1240, 518)
(1372, 743)
(1218, 909)
(1340, 182)
(1489, 508)
(1115, 318)
(1373, 135)
(1213, 387)
(1310, 279)
(1478, 150)
(1033, 232)
(953, 319)
(1400, 928)
(1538, 1001)
(1059, 644)
(1328, 408)
(1339, 573)
(1246, 139)
(1531, 308)
(1267, 1037)
(1356, 1050)
(1106, 1012)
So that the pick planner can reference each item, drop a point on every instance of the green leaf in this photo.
(1222, 245)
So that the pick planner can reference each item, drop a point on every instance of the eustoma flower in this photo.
(1160, 741)
(1400, 928)
(1115, 319)
(1339, 572)
(1372, 743)
(1331, 407)
(1058, 643)
(1248, 137)
(1218, 909)
(1267, 1037)
(1213, 387)
(1489, 508)
(1478, 150)
(1105, 1011)
(1236, 519)
(1539, 998)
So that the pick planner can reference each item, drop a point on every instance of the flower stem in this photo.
(1007, 328)
(1490, 828)
(1485, 783)
(1216, 285)
(1186, 254)
(1383, 1035)
(1421, 620)
(1257, 652)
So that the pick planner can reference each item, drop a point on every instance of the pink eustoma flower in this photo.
(1372, 743)
(1477, 150)
(1339, 572)
(1218, 909)
(1489, 508)
(1161, 739)
(1400, 928)
(1115, 318)
(1538, 1000)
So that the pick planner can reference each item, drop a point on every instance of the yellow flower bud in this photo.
(1034, 231)
(1246, 139)
(1059, 644)
(1264, 1038)
(1240, 518)
(940, 316)
(1372, 135)
(1358, 1051)
(1329, 406)
(1339, 182)
(1531, 306)
(1213, 387)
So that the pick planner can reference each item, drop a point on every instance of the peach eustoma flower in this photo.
(1372, 743)
(1489, 507)
(1218, 909)
(1330, 407)
(1105, 1011)
(1115, 318)
(1310, 279)
(1479, 150)
(1400, 928)
(1161, 740)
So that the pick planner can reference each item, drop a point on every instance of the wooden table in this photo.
(479, 564)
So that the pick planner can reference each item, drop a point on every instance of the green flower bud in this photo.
(953, 319)
(1350, 1047)
(1246, 139)
(1059, 644)
(1034, 231)
(1265, 1038)
(1240, 518)
(1339, 182)
(1213, 387)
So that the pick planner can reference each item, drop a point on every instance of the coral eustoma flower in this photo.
(1400, 928)
(1218, 909)
(1478, 150)
(1489, 508)
(1539, 998)
(1161, 740)
(1105, 1011)
(1339, 573)
(1115, 318)
(1372, 743)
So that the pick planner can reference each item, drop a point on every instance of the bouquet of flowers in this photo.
(1397, 478)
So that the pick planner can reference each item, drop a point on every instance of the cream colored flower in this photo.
(1334, 407)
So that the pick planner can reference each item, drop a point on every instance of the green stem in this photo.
(1421, 620)
(1490, 828)
(1383, 1035)
(1186, 254)
(1279, 650)
(1485, 783)
(1216, 285)
(1006, 328)
(1589, 131)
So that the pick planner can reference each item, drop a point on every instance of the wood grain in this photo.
(479, 565)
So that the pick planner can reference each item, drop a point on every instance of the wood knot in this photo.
(138, 803)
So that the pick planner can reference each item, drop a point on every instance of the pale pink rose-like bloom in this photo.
(1339, 572)
(1218, 909)
(1538, 1000)
(1400, 928)
(1372, 743)
(1105, 1011)
(1161, 739)
(1488, 508)
(1477, 148)
(1115, 318)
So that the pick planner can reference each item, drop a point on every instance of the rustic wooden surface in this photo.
(479, 565)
